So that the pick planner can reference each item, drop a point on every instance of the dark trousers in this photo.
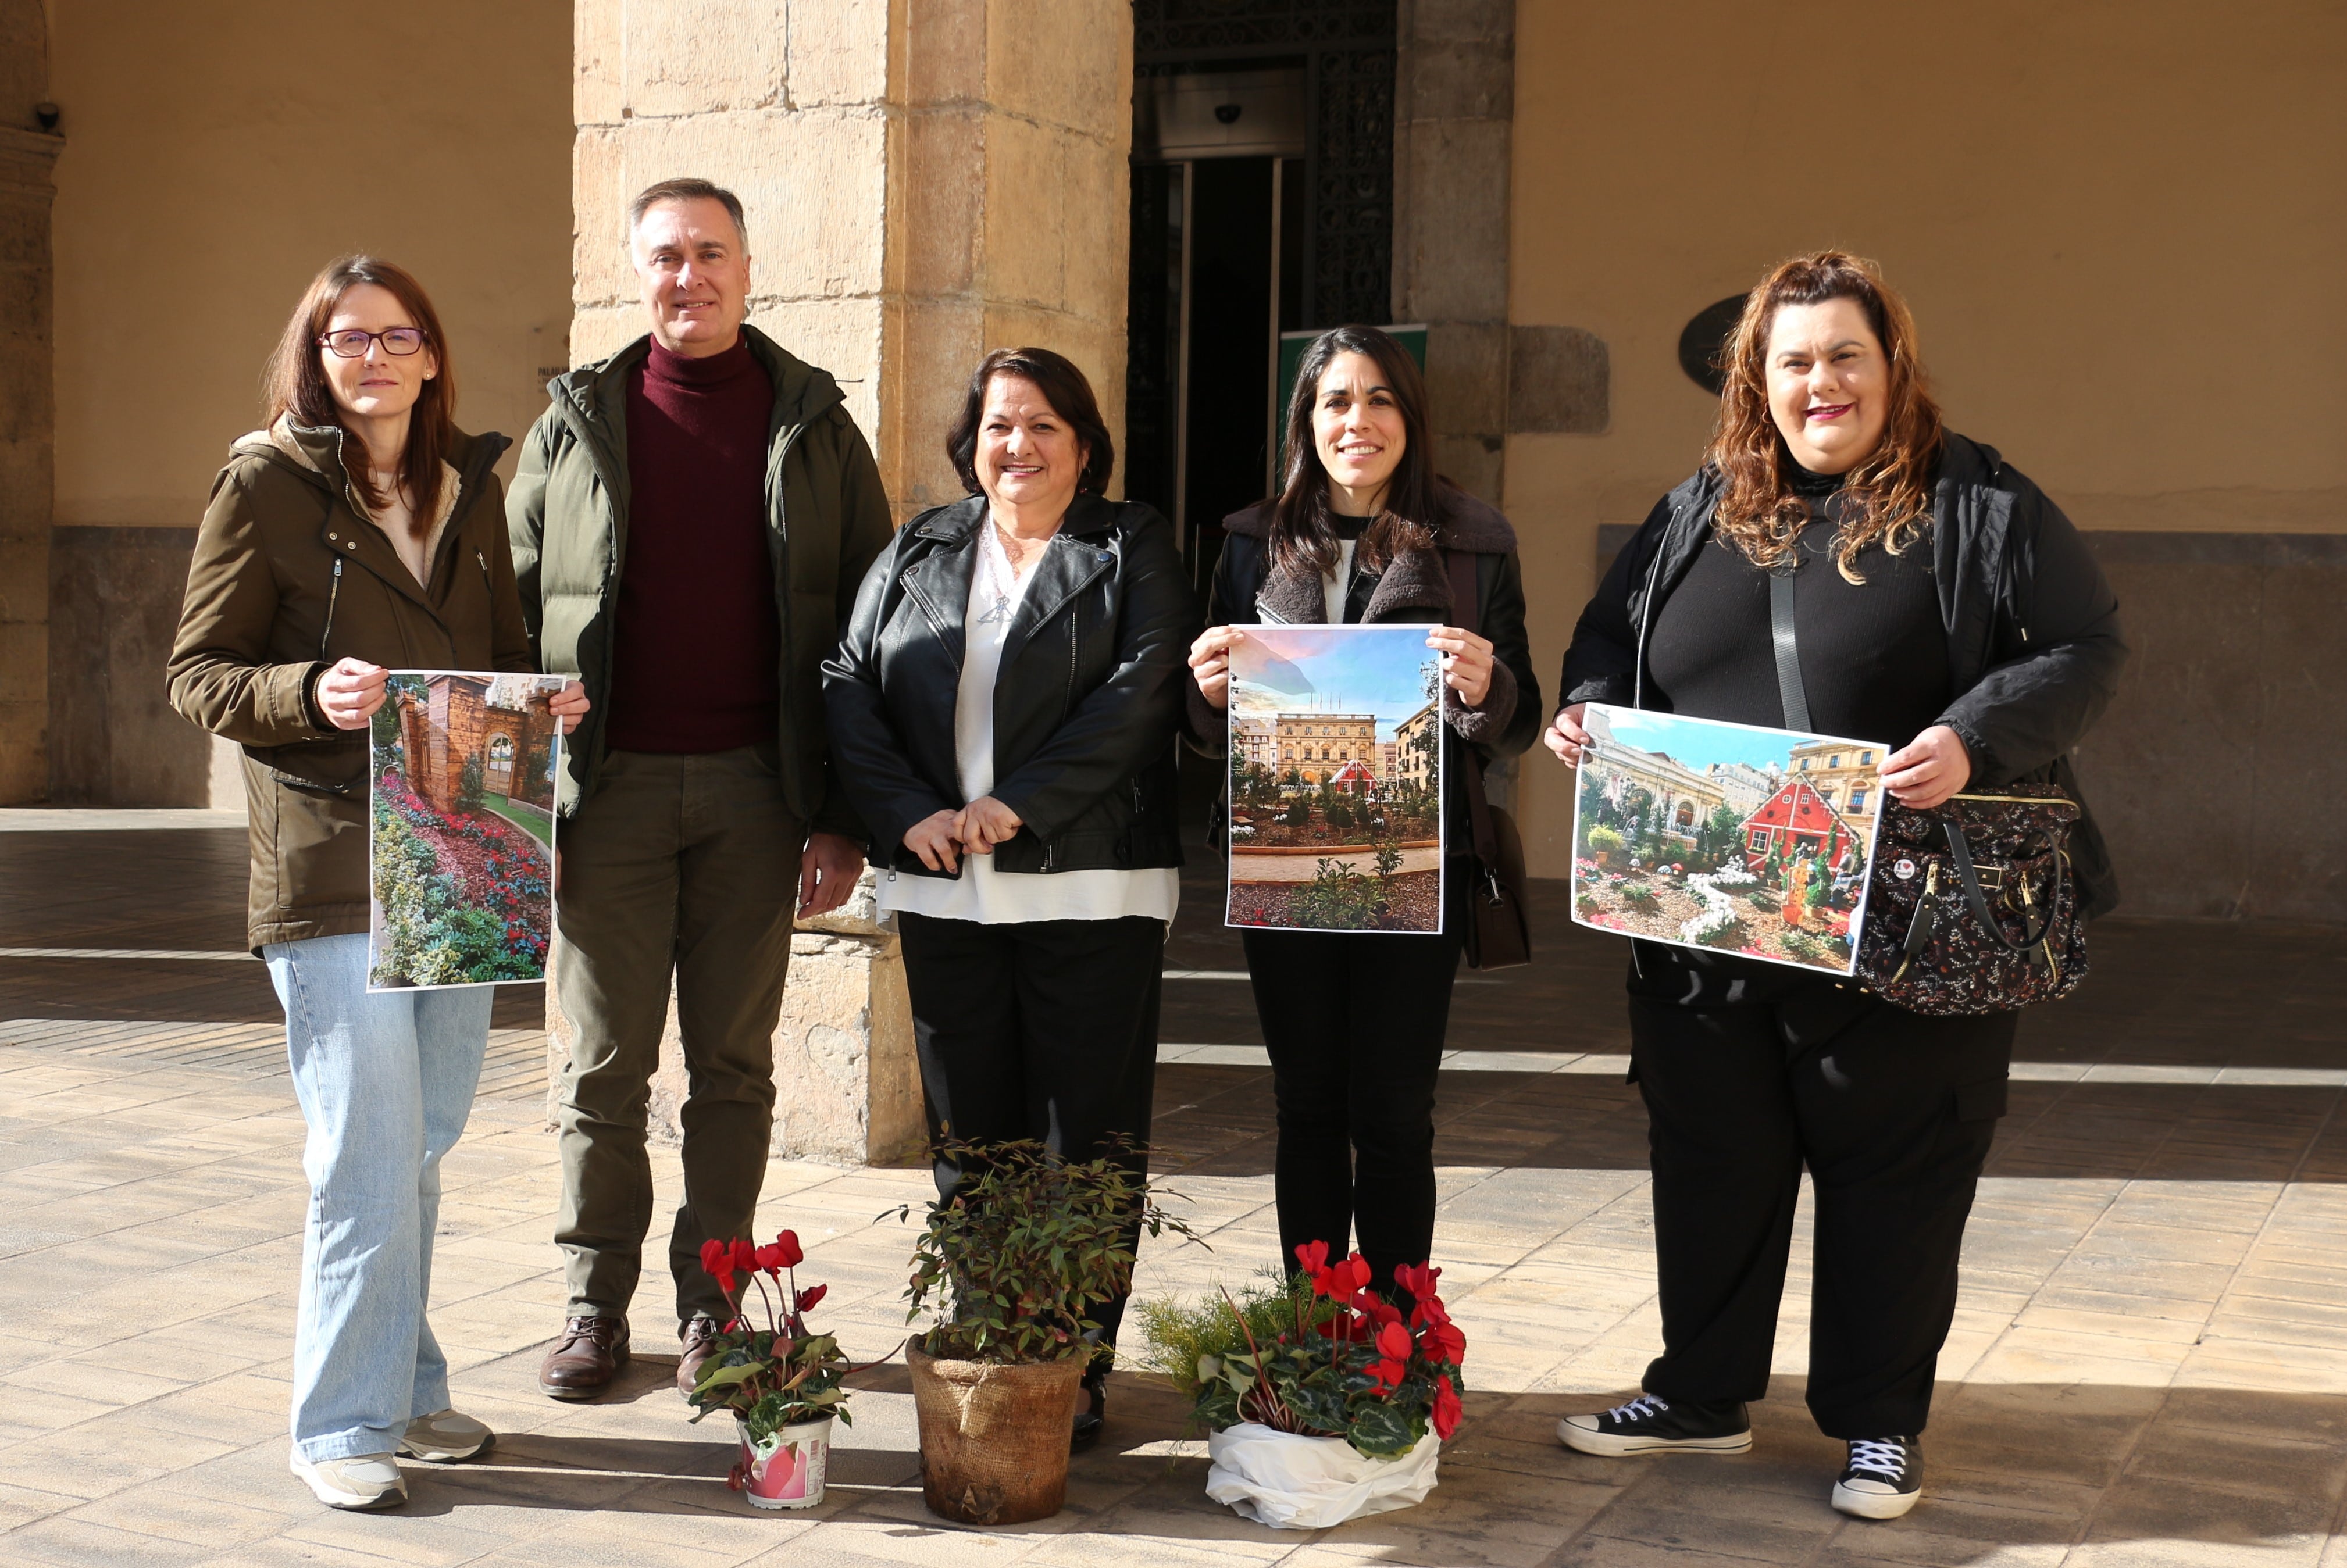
(682, 866)
(1354, 1023)
(1045, 1030)
(1893, 1114)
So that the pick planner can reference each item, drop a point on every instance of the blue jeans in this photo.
(385, 1082)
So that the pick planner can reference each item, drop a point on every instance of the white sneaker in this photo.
(444, 1437)
(362, 1480)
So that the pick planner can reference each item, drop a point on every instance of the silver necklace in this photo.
(996, 576)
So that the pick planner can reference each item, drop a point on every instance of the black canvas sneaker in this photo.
(1651, 1425)
(1882, 1480)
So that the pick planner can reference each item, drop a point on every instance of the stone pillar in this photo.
(1455, 98)
(28, 403)
(924, 180)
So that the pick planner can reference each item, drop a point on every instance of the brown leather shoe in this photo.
(585, 1359)
(699, 1336)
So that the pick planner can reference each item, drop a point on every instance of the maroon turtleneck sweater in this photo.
(697, 663)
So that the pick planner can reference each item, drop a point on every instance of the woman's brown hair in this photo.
(1300, 529)
(295, 384)
(1887, 499)
(1064, 386)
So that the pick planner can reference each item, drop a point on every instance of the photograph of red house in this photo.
(1795, 821)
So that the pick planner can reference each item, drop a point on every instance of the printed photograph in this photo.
(1336, 759)
(1740, 840)
(461, 836)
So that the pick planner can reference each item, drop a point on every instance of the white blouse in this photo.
(982, 893)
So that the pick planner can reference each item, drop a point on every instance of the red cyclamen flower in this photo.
(1393, 1342)
(807, 1298)
(1447, 1409)
(1312, 1257)
(793, 1253)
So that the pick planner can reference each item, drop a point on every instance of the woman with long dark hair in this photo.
(1364, 531)
(359, 529)
(1943, 606)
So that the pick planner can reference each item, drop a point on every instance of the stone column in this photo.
(924, 180)
(27, 403)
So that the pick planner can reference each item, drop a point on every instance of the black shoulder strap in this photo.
(1790, 690)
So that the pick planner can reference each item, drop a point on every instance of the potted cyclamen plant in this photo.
(1012, 1267)
(781, 1382)
(1323, 1400)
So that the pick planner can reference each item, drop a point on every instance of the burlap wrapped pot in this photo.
(994, 1439)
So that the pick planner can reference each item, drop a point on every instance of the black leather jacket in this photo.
(1086, 707)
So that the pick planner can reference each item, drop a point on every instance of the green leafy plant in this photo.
(1319, 1356)
(1604, 840)
(1638, 896)
(1012, 1266)
(471, 783)
(1338, 899)
(780, 1375)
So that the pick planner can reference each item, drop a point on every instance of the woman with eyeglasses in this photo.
(358, 531)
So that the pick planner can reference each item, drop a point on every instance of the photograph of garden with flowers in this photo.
(1726, 837)
(1336, 779)
(461, 829)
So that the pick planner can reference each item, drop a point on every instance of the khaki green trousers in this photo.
(686, 865)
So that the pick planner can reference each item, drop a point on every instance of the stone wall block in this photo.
(25, 664)
(24, 579)
(1559, 381)
(598, 56)
(840, 335)
(1025, 256)
(1461, 21)
(1097, 203)
(941, 342)
(1062, 62)
(601, 273)
(23, 749)
(945, 46)
(1463, 81)
(809, 184)
(1467, 376)
(1473, 463)
(1458, 229)
(685, 60)
(599, 331)
(838, 53)
(944, 198)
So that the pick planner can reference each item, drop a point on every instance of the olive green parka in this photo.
(827, 517)
(289, 576)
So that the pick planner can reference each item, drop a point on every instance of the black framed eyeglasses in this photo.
(352, 343)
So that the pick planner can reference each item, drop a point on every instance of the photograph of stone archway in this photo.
(461, 829)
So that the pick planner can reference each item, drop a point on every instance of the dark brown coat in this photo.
(289, 576)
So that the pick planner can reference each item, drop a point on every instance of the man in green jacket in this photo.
(691, 522)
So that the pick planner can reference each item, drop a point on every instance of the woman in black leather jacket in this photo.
(1003, 711)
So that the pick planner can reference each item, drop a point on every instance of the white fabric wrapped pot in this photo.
(1296, 1482)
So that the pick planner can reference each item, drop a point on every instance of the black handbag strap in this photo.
(1961, 854)
(1460, 565)
(1790, 690)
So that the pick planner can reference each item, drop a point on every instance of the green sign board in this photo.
(1291, 353)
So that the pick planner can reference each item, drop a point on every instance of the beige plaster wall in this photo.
(217, 153)
(924, 179)
(2119, 225)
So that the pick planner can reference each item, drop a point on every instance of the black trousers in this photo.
(1045, 1030)
(1893, 1113)
(1355, 1022)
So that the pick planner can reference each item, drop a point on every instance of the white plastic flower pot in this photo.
(785, 1470)
(1294, 1483)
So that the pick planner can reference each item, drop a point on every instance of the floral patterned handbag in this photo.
(1934, 940)
(1970, 908)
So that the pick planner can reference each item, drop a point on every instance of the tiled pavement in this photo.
(2149, 1364)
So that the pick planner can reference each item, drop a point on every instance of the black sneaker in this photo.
(1882, 1480)
(1651, 1425)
